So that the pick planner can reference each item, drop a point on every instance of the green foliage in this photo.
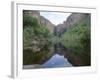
(33, 30)
(42, 31)
(77, 38)
(29, 21)
(40, 57)
(37, 36)
(36, 41)
(28, 34)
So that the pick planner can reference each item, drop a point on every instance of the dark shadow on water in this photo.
(58, 56)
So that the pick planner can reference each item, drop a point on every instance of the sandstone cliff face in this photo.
(47, 23)
(59, 29)
(43, 21)
(32, 13)
(74, 18)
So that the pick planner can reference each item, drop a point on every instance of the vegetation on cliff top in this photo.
(33, 32)
(36, 38)
(77, 39)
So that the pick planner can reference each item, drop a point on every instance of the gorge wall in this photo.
(43, 21)
(73, 19)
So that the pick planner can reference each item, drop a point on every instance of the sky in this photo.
(55, 17)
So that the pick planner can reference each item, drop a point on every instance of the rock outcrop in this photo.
(46, 23)
(59, 29)
(74, 18)
(42, 21)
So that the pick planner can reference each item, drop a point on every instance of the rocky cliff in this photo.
(47, 23)
(74, 18)
(43, 21)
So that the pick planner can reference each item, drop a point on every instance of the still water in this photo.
(58, 57)
(57, 61)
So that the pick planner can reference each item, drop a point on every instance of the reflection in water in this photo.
(72, 57)
(57, 61)
(57, 56)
